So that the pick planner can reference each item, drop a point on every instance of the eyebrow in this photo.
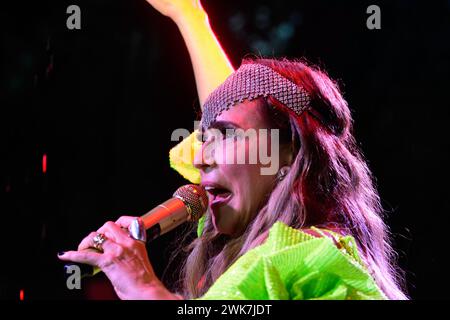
(223, 125)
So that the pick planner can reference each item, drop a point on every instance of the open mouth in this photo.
(218, 194)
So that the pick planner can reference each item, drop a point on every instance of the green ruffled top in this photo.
(293, 265)
(290, 264)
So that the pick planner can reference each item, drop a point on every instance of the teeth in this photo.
(216, 191)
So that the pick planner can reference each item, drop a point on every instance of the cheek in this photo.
(238, 151)
(249, 186)
(243, 167)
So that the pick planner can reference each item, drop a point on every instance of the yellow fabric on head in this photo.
(181, 157)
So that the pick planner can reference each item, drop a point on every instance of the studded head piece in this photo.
(251, 81)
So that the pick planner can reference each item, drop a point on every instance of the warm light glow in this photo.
(44, 163)
(22, 295)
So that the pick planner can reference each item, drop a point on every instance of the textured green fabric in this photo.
(292, 264)
(201, 225)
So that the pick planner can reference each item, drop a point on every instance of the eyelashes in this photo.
(226, 133)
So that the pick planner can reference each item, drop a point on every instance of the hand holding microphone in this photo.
(114, 248)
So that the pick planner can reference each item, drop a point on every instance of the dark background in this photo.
(102, 102)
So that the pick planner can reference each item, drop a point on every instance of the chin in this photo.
(221, 228)
(221, 225)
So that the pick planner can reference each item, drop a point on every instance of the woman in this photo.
(311, 229)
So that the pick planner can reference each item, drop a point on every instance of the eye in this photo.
(228, 133)
(206, 137)
(222, 132)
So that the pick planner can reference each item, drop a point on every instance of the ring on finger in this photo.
(98, 241)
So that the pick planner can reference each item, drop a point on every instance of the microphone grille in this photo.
(195, 199)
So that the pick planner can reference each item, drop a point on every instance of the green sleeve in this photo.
(293, 265)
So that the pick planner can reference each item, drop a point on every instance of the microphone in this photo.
(188, 203)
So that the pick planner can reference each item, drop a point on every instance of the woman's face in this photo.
(237, 187)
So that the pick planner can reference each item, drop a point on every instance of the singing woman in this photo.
(311, 229)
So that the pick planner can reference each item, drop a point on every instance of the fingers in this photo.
(88, 243)
(117, 240)
(94, 257)
(116, 233)
(112, 230)
(87, 254)
(90, 257)
(125, 221)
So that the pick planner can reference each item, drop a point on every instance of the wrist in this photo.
(156, 291)
(190, 16)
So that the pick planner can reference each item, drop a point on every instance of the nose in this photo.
(204, 158)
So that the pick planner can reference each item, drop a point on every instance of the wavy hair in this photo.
(329, 185)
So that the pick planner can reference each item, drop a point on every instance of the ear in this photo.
(283, 172)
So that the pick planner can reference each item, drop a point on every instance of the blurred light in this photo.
(237, 22)
(262, 17)
(44, 163)
(285, 30)
(22, 295)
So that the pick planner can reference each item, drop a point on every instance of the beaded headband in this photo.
(251, 81)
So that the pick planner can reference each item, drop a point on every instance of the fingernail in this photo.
(61, 253)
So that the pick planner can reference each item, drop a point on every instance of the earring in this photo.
(282, 173)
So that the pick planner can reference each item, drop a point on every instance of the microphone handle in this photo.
(164, 218)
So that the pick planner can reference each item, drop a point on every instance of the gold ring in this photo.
(98, 241)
